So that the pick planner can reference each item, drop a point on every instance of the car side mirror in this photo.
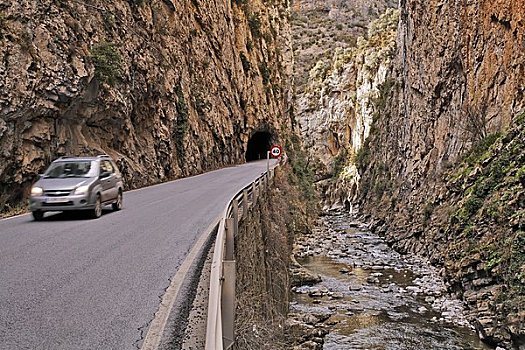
(104, 174)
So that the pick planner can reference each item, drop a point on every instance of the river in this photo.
(371, 297)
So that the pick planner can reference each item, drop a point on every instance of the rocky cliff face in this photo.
(343, 56)
(168, 88)
(442, 170)
(338, 106)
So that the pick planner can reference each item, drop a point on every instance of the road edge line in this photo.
(153, 337)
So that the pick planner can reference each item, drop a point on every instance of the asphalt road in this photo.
(69, 282)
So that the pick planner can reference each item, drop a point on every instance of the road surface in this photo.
(69, 282)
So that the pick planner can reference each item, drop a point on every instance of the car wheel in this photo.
(38, 215)
(118, 204)
(97, 211)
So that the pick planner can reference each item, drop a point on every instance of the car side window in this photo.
(105, 166)
(115, 169)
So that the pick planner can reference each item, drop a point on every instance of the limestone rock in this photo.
(169, 89)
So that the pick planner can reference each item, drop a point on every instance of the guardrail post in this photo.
(245, 203)
(235, 207)
(228, 287)
(230, 240)
(254, 193)
(228, 304)
(263, 185)
(267, 160)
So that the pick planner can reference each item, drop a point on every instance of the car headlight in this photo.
(37, 191)
(82, 189)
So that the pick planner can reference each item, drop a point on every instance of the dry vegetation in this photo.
(321, 27)
(9, 211)
(263, 260)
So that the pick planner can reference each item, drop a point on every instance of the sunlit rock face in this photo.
(168, 88)
(339, 102)
(459, 77)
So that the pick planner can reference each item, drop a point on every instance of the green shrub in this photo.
(520, 174)
(246, 65)
(520, 119)
(249, 45)
(26, 41)
(427, 213)
(254, 21)
(201, 105)
(479, 150)
(3, 25)
(492, 210)
(265, 72)
(362, 157)
(385, 91)
(380, 187)
(109, 19)
(494, 259)
(516, 269)
(339, 162)
(471, 207)
(107, 62)
(268, 37)
(302, 174)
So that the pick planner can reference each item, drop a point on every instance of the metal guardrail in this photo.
(220, 330)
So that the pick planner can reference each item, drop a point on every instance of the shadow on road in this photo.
(70, 215)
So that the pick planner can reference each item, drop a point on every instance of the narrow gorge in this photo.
(420, 128)
(409, 115)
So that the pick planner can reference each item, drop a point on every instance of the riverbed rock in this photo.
(424, 283)
(338, 295)
(372, 280)
(355, 288)
(301, 277)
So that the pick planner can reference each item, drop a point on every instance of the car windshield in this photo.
(77, 168)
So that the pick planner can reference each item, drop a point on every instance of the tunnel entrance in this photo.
(258, 145)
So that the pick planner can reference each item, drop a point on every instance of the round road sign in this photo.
(275, 151)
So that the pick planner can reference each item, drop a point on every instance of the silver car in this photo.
(77, 183)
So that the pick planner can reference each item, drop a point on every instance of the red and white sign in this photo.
(276, 151)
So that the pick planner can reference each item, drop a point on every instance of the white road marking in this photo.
(158, 325)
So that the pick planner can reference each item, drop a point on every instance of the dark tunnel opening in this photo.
(258, 146)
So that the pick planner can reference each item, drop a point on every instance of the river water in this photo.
(371, 297)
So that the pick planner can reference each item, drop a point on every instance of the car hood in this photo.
(62, 183)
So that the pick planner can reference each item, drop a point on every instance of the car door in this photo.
(107, 181)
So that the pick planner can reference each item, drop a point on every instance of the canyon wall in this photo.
(442, 170)
(429, 144)
(167, 88)
(343, 54)
(338, 107)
